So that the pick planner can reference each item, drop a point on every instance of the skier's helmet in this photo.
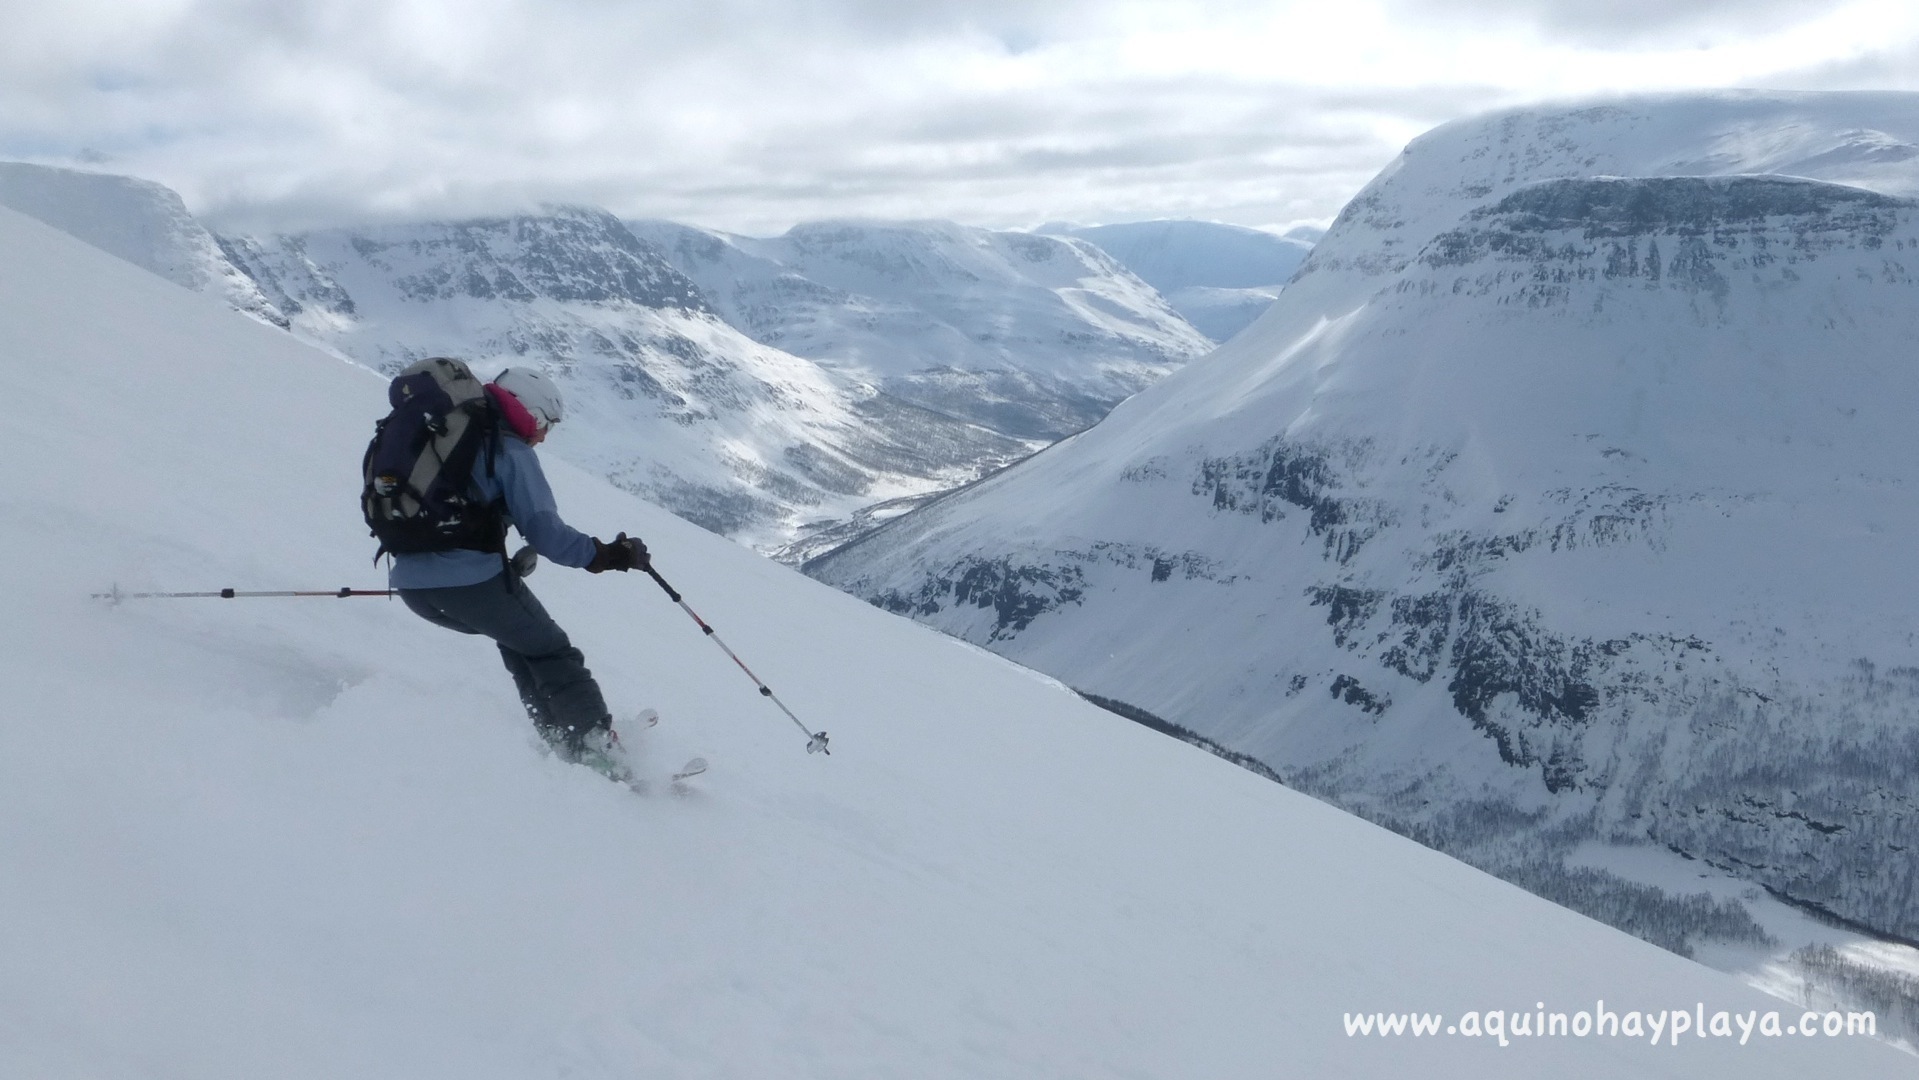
(539, 394)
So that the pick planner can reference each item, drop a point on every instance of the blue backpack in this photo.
(418, 470)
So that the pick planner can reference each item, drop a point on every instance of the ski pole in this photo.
(815, 740)
(115, 596)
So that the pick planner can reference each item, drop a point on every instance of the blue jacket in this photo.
(518, 479)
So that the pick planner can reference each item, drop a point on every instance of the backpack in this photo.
(418, 470)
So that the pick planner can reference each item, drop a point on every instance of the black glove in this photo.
(623, 554)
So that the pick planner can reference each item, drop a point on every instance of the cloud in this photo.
(1631, 23)
(754, 114)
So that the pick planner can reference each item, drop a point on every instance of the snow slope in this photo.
(140, 221)
(311, 838)
(1218, 277)
(1574, 469)
(1032, 336)
(667, 400)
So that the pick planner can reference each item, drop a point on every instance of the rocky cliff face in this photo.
(1565, 494)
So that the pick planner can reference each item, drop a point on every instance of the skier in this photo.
(478, 591)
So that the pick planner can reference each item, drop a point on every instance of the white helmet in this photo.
(539, 394)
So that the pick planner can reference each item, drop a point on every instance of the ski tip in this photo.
(690, 769)
(646, 718)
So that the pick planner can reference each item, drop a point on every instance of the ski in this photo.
(612, 762)
(648, 718)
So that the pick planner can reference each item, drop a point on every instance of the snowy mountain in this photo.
(312, 837)
(1035, 337)
(667, 400)
(1218, 277)
(1564, 498)
(948, 353)
(142, 222)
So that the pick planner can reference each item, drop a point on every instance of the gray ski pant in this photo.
(557, 689)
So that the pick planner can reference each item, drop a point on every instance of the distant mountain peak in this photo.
(1031, 336)
(1220, 277)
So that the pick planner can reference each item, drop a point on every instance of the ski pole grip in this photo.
(655, 574)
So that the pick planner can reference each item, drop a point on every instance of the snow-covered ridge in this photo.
(1032, 336)
(1218, 277)
(142, 222)
(313, 839)
(1865, 140)
(1578, 487)
(567, 255)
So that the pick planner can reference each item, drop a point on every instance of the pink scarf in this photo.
(517, 418)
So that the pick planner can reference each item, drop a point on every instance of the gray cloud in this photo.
(1627, 23)
(744, 114)
(1894, 68)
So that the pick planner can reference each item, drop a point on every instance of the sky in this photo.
(752, 115)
